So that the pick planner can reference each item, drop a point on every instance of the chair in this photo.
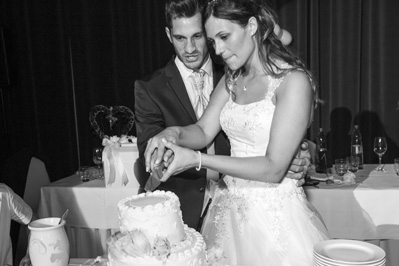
(37, 177)
(25, 173)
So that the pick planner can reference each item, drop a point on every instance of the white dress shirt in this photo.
(185, 73)
(212, 176)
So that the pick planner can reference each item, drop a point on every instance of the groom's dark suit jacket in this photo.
(162, 101)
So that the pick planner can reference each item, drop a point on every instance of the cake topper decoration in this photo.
(118, 117)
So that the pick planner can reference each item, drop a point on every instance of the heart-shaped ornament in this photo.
(116, 119)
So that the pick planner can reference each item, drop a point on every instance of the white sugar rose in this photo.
(133, 244)
(137, 245)
(140, 241)
(161, 248)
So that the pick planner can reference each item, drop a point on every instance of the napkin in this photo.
(323, 177)
(349, 178)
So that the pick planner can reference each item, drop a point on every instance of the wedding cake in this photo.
(152, 233)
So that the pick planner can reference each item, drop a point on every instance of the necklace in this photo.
(245, 88)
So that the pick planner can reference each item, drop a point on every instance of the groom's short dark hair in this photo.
(175, 9)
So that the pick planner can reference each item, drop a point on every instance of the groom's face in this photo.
(189, 40)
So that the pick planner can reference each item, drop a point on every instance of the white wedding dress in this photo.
(255, 223)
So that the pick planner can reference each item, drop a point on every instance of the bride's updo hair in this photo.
(270, 47)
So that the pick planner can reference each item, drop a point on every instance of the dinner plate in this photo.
(99, 261)
(322, 262)
(351, 252)
(318, 261)
(328, 260)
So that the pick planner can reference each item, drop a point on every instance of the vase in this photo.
(48, 243)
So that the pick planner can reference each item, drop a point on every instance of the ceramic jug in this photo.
(48, 243)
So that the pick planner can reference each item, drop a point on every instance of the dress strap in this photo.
(274, 83)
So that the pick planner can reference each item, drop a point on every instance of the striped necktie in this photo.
(197, 78)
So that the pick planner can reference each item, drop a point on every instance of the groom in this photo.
(168, 98)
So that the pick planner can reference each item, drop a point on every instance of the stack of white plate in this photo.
(341, 252)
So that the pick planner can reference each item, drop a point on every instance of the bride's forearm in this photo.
(192, 137)
(258, 168)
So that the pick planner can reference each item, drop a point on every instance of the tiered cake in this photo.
(152, 233)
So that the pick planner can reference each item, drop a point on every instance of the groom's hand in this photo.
(300, 164)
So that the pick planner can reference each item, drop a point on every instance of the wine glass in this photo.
(380, 147)
(97, 159)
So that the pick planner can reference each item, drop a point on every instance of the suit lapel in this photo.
(218, 71)
(176, 84)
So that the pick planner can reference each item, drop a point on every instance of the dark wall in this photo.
(66, 56)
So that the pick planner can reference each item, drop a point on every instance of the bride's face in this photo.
(234, 43)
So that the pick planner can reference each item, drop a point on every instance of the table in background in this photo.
(368, 210)
(92, 216)
(365, 211)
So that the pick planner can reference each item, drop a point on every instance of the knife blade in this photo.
(155, 178)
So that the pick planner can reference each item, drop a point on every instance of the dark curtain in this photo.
(65, 56)
(351, 47)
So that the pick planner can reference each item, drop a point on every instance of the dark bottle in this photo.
(321, 153)
(356, 145)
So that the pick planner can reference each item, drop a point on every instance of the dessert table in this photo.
(366, 210)
(92, 216)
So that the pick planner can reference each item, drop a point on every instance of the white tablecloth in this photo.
(93, 214)
(365, 211)
(368, 210)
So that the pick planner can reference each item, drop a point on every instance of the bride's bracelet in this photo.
(200, 161)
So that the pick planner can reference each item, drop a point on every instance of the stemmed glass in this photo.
(380, 147)
(97, 159)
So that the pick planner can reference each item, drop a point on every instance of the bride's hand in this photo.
(155, 151)
(182, 160)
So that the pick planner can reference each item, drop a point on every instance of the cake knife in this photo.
(155, 178)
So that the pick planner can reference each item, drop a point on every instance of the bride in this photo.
(264, 104)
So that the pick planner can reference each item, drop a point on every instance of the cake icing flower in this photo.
(133, 243)
(161, 248)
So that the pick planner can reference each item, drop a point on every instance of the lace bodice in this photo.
(248, 125)
(248, 129)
